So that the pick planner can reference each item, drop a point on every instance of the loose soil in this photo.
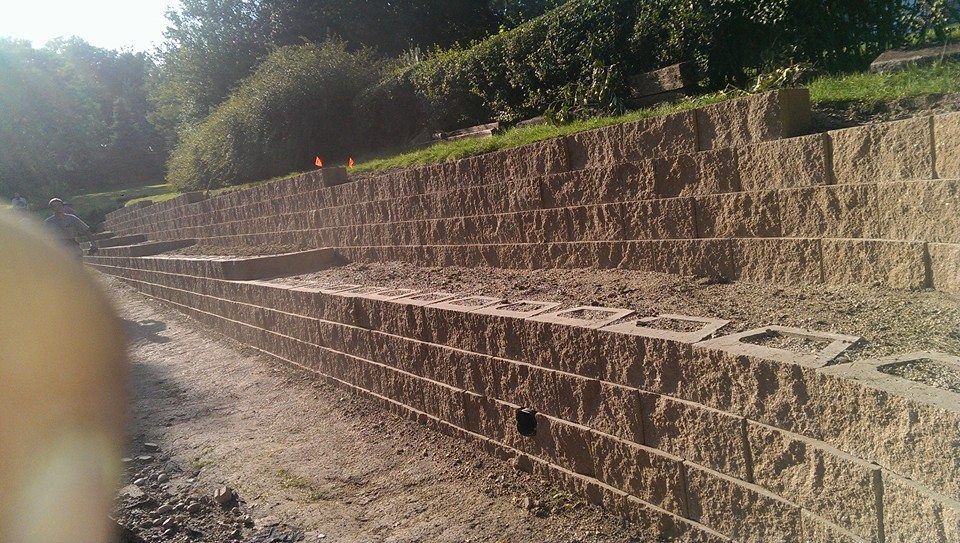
(307, 461)
(830, 116)
(890, 321)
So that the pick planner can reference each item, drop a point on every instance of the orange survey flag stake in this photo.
(350, 162)
(318, 162)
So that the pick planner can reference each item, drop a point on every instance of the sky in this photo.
(111, 24)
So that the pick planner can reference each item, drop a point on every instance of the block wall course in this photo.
(890, 263)
(885, 151)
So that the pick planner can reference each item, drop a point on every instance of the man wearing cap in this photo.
(69, 227)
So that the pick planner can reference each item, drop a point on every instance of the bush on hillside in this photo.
(297, 104)
(522, 72)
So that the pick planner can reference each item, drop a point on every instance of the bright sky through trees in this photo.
(112, 24)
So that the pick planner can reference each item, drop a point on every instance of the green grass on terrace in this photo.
(517, 137)
(869, 88)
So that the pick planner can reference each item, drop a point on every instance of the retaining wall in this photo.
(713, 440)
(860, 205)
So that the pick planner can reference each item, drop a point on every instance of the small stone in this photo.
(152, 447)
(528, 503)
(145, 458)
(247, 520)
(165, 509)
(194, 508)
(168, 533)
(236, 534)
(163, 478)
(141, 481)
(223, 496)
(131, 491)
(169, 522)
(126, 459)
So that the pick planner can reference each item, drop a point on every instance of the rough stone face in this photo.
(913, 515)
(619, 183)
(751, 119)
(541, 158)
(682, 257)
(709, 172)
(745, 214)
(659, 136)
(593, 148)
(826, 481)
(883, 152)
(696, 433)
(739, 510)
(780, 260)
(658, 219)
(793, 162)
(918, 210)
(650, 475)
(946, 135)
(945, 266)
(818, 530)
(895, 264)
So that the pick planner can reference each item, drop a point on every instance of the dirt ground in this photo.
(890, 321)
(306, 461)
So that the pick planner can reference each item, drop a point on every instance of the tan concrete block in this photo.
(837, 211)
(895, 264)
(819, 530)
(682, 257)
(598, 147)
(668, 218)
(696, 433)
(739, 510)
(623, 182)
(843, 489)
(946, 136)
(781, 260)
(883, 152)
(541, 158)
(659, 136)
(918, 210)
(744, 214)
(912, 514)
(708, 172)
(647, 474)
(761, 117)
(793, 162)
(945, 266)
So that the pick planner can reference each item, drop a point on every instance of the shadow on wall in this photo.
(148, 330)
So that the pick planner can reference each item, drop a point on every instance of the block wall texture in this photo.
(733, 189)
(693, 441)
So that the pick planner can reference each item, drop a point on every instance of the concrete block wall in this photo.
(701, 441)
(861, 205)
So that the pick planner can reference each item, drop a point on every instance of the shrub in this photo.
(555, 59)
(297, 104)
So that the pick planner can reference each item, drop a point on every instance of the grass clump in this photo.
(872, 88)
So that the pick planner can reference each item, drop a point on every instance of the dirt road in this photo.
(314, 457)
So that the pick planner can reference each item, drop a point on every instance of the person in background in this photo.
(19, 202)
(69, 228)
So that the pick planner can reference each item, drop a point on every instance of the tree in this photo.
(60, 127)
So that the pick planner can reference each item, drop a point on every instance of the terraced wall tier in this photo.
(695, 435)
(773, 115)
